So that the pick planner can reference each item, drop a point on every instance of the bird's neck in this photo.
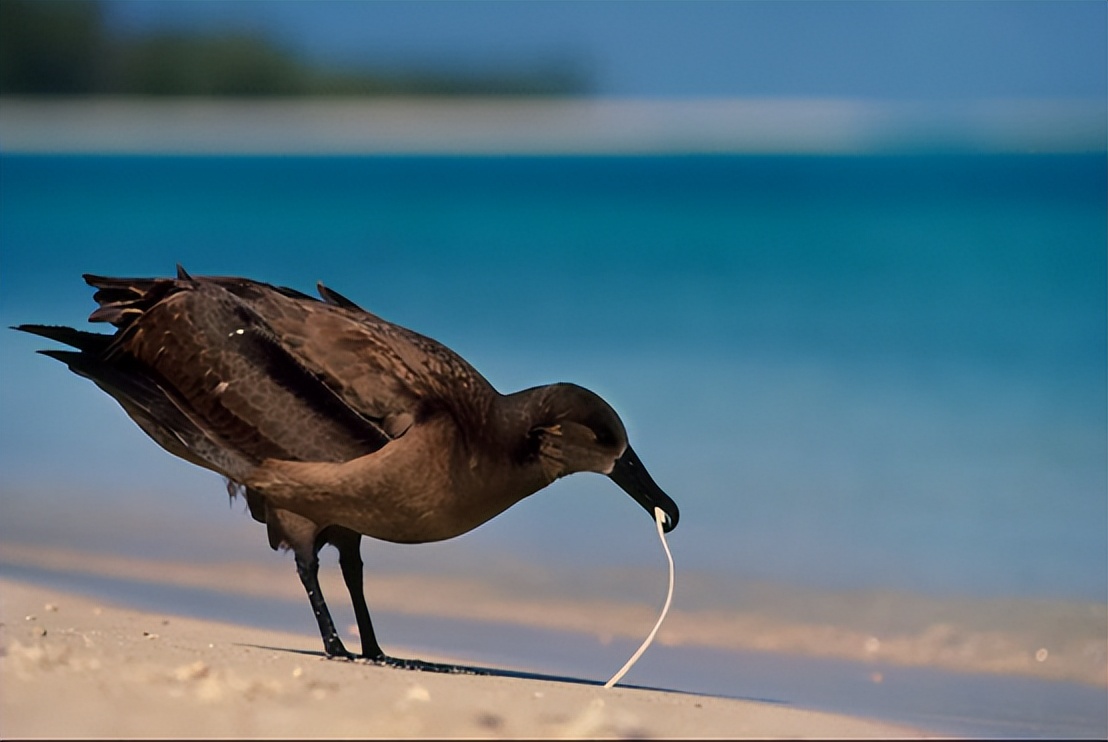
(519, 413)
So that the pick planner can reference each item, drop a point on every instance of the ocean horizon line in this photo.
(548, 126)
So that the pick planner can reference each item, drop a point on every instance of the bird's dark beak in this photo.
(632, 477)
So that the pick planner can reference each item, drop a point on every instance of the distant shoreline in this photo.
(556, 126)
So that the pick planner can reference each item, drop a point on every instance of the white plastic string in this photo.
(659, 518)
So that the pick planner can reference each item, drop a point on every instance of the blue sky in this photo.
(912, 50)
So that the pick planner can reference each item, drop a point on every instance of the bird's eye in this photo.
(605, 436)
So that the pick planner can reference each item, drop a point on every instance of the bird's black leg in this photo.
(350, 561)
(302, 536)
(307, 566)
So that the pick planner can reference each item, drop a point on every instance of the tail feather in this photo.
(120, 289)
(123, 300)
(68, 357)
(156, 412)
(91, 342)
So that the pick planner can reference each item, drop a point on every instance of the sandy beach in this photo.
(72, 666)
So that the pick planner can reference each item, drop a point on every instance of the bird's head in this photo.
(578, 431)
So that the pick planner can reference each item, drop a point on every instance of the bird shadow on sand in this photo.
(409, 665)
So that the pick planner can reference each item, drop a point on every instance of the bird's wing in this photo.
(382, 370)
(232, 375)
(275, 373)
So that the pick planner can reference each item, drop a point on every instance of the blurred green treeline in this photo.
(62, 47)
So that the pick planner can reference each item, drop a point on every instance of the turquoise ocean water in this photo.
(880, 372)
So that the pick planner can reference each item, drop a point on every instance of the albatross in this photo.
(335, 424)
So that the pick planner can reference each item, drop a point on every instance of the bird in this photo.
(334, 423)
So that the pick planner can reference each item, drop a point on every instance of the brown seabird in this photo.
(334, 423)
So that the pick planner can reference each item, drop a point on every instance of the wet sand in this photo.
(1047, 640)
(443, 619)
(73, 666)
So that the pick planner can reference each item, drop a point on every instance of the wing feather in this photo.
(228, 367)
(279, 374)
(379, 368)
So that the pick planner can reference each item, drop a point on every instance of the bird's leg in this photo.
(350, 560)
(302, 536)
(307, 566)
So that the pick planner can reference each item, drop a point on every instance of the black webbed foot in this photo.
(339, 654)
(384, 660)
